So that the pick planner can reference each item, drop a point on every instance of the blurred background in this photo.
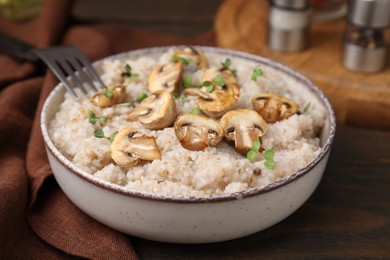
(181, 17)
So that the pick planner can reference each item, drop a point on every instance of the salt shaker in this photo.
(288, 25)
(367, 35)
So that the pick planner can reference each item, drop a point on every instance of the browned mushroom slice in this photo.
(166, 77)
(191, 54)
(155, 112)
(110, 96)
(130, 147)
(273, 107)
(221, 99)
(244, 127)
(196, 132)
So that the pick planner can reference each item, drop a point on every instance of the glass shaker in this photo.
(367, 35)
(288, 25)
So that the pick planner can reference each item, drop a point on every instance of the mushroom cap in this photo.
(221, 99)
(244, 127)
(155, 112)
(118, 96)
(196, 132)
(131, 146)
(273, 107)
(190, 53)
(166, 77)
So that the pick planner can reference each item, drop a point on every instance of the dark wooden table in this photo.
(348, 216)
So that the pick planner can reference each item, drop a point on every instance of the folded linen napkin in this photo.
(36, 219)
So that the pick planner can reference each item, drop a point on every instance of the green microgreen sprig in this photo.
(306, 108)
(257, 72)
(195, 111)
(128, 73)
(93, 118)
(107, 93)
(99, 133)
(269, 155)
(219, 81)
(141, 97)
(254, 151)
(187, 81)
(180, 59)
(209, 86)
(226, 64)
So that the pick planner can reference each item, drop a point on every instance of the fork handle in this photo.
(16, 48)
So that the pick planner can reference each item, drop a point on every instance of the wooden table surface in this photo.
(348, 216)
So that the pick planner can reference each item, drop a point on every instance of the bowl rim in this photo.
(325, 149)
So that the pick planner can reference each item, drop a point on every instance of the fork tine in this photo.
(89, 68)
(65, 65)
(56, 70)
(76, 64)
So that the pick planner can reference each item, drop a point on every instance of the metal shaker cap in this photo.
(370, 13)
(291, 4)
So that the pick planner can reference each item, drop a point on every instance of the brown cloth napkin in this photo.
(36, 219)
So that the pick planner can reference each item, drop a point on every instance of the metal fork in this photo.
(68, 63)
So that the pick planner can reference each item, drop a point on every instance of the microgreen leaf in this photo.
(187, 81)
(91, 114)
(270, 164)
(251, 155)
(209, 88)
(256, 145)
(226, 64)
(103, 118)
(234, 72)
(175, 95)
(219, 81)
(128, 72)
(112, 136)
(92, 120)
(128, 68)
(306, 108)
(133, 76)
(256, 73)
(98, 133)
(207, 83)
(107, 93)
(141, 97)
(195, 111)
(180, 59)
(269, 154)
(92, 117)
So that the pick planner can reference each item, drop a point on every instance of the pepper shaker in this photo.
(367, 35)
(288, 25)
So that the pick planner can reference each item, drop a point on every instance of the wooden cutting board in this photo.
(357, 98)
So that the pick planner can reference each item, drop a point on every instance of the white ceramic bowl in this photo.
(184, 220)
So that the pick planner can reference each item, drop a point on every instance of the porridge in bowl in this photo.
(191, 124)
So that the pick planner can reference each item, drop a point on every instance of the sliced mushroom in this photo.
(221, 98)
(192, 54)
(131, 146)
(244, 127)
(166, 77)
(227, 75)
(155, 112)
(110, 96)
(196, 132)
(273, 107)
